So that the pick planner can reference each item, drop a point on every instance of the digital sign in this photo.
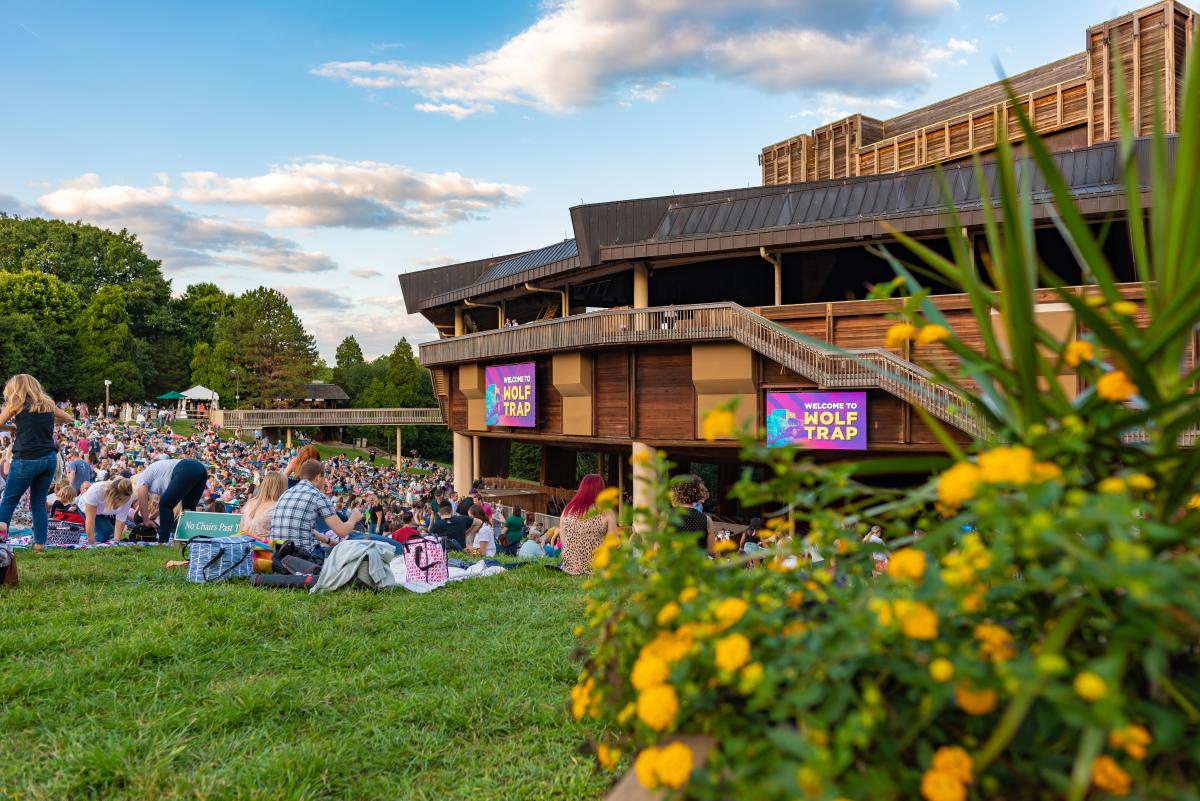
(510, 392)
(833, 421)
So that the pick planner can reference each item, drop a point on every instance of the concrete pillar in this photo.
(641, 285)
(643, 475)
(460, 326)
(474, 457)
(463, 465)
(399, 448)
(289, 438)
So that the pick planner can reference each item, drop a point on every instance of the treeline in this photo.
(81, 304)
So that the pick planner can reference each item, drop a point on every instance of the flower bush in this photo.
(1036, 632)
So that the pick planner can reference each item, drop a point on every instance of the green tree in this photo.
(200, 308)
(25, 348)
(107, 348)
(41, 310)
(349, 353)
(213, 366)
(270, 342)
(47, 299)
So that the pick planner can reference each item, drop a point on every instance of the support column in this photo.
(641, 285)
(463, 466)
(399, 449)
(643, 475)
(460, 326)
(474, 458)
(289, 438)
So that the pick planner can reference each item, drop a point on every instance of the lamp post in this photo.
(237, 393)
(107, 384)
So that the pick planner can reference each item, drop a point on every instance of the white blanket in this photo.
(476, 570)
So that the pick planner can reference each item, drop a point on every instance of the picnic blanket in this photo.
(23, 538)
(477, 570)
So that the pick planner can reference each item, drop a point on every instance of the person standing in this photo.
(34, 455)
(175, 481)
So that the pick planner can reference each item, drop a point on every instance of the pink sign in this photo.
(510, 393)
(817, 420)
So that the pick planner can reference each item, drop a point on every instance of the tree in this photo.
(349, 353)
(270, 342)
(47, 299)
(107, 348)
(41, 311)
(200, 308)
(213, 366)
(24, 348)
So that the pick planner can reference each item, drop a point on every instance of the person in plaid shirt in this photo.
(304, 507)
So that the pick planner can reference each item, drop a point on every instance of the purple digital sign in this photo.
(511, 395)
(832, 421)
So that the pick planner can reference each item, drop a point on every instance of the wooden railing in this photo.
(823, 364)
(298, 418)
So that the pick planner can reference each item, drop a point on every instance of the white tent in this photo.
(200, 393)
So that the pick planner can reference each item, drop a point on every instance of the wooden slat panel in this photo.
(458, 403)
(612, 393)
(1152, 58)
(960, 138)
(666, 401)
(549, 413)
(1075, 104)
(907, 154)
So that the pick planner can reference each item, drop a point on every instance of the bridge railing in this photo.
(299, 418)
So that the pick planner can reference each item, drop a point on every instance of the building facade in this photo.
(620, 339)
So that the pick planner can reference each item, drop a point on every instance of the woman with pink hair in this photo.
(582, 527)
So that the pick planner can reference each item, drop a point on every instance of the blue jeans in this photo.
(106, 526)
(186, 486)
(34, 476)
(357, 535)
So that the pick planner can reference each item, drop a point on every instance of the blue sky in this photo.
(323, 148)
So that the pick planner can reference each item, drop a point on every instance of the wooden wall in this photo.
(665, 402)
(612, 393)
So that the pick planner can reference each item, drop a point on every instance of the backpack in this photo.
(425, 560)
(212, 559)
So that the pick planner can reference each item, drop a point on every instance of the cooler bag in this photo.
(425, 560)
(62, 533)
(218, 558)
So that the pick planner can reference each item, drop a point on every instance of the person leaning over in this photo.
(105, 507)
(305, 506)
(34, 456)
(175, 481)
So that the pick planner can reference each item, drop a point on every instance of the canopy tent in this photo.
(171, 396)
(200, 393)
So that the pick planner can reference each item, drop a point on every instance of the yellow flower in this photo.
(607, 756)
(958, 484)
(1108, 776)
(941, 670)
(882, 610)
(907, 563)
(955, 761)
(688, 594)
(898, 334)
(917, 621)
(995, 643)
(668, 646)
(1115, 386)
(1111, 486)
(1141, 481)
(1194, 501)
(649, 671)
(674, 765)
(1089, 686)
(752, 675)
(724, 546)
(669, 612)
(1007, 465)
(657, 706)
(732, 652)
(1077, 352)
(938, 786)
(645, 768)
(627, 712)
(581, 697)
(1125, 307)
(972, 701)
(1046, 471)
(1133, 739)
(730, 611)
(931, 334)
(608, 497)
(718, 424)
(641, 458)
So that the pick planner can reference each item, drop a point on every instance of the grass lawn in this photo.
(121, 680)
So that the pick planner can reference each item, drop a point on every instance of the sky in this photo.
(323, 149)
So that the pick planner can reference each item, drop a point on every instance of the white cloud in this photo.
(961, 46)
(580, 51)
(648, 92)
(311, 297)
(326, 191)
(181, 239)
(378, 323)
(997, 18)
(366, 274)
(835, 105)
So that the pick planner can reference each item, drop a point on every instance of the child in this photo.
(64, 507)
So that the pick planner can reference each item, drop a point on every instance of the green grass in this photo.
(121, 680)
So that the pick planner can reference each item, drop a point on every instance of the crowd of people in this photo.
(121, 473)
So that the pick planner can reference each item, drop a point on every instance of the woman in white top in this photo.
(483, 543)
(256, 517)
(105, 506)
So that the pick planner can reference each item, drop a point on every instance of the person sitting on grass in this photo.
(305, 507)
(514, 532)
(256, 515)
(452, 526)
(64, 507)
(483, 542)
(105, 509)
(406, 531)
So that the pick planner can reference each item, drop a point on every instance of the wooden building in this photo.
(660, 309)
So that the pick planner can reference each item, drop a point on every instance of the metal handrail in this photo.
(827, 366)
(280, 418)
